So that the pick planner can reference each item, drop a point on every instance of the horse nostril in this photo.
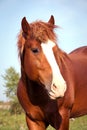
(54, 86)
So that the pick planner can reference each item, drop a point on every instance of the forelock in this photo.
(42, 31)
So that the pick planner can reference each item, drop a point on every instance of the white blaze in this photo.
(58, 86)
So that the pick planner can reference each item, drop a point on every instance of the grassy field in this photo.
(17, 122)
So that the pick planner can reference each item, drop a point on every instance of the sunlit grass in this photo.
(12, 122)
(17, 122)
(79, 123)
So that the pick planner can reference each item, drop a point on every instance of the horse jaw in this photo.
(58, 85)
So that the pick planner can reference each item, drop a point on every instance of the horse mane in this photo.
(40, 31)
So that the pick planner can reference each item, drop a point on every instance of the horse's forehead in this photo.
(47, 46)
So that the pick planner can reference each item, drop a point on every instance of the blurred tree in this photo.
(11, 78)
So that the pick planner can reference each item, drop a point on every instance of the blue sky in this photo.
(71, 16)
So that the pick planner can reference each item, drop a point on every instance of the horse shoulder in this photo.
(33, 112)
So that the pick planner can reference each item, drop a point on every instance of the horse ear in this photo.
(51, 20)
(25, 27)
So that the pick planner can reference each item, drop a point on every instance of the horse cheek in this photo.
(29, 67)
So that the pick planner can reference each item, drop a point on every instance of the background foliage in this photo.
(11, 78)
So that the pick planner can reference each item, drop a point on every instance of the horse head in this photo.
(37, 43)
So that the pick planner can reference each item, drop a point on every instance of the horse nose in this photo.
(57, 91)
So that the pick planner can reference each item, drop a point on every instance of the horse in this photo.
(53, 84)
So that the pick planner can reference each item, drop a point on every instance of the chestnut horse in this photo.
(53, 84)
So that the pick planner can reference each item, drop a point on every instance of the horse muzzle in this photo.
(57, 91)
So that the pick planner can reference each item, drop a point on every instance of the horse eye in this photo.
(35, 50)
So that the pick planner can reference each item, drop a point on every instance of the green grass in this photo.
(17, 122)
(79, 123)
(12, 122)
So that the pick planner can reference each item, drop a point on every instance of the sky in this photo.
(71, 16)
